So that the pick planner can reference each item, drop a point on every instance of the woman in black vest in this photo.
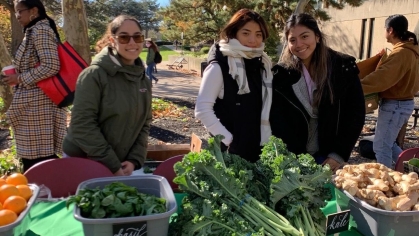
(318, 105)
(235, 95)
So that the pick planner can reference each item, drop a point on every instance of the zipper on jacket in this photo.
(337, 124)
(308, 125)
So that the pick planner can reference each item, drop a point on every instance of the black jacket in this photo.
(339, 123)
(240, 114)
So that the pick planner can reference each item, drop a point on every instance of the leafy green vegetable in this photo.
(116, 200)
(147, 170)
(219, 202)
(414, 162)
(297, 185)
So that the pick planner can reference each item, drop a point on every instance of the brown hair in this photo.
(320, 64)
(153, 45)
(113, 27)
(239, 19)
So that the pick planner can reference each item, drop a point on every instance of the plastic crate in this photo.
(7, 230)
(371, 221)
(157, 224)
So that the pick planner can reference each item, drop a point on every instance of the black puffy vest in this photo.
(241, 114)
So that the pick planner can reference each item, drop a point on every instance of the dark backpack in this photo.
(157, 57)
(366, 147)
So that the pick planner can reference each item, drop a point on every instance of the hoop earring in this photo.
(30, 17)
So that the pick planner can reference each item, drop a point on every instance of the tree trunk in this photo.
(301, 5)
(5, 90)
(75, 27)
(17, 32)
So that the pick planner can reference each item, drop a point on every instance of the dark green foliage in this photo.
(205, 50)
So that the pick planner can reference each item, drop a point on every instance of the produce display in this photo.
(380, 186)
(116, 200)
(14, 195)
(281, 194)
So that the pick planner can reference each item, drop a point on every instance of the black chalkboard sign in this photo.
(337, 222)
(130, 229)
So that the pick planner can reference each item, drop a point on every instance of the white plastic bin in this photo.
(7, 230)
(157, 224)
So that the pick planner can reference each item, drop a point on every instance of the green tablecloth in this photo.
(52, 218)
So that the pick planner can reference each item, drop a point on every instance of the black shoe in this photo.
(157, 80)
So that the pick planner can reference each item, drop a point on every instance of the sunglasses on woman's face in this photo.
(124, 39)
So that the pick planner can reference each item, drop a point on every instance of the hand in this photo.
(120, 172)
(334, 165)
(11, 79)
(381, 53)
(127, 167)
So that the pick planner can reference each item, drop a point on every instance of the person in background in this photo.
(318, 106)
(38, 124)
(152, 49)
(110, 119)
(234, 99)
(396, 81)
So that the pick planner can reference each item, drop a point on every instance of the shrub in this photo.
(205, 50)
(187, 48)
(160, 43)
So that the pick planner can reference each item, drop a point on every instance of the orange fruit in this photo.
(15, 203)
(17, 179)
(2, 182)
(6, 191)
(1, 206)
(7, 217)
(24, 191)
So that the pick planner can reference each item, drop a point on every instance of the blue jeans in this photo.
(392, 115)
(149, 71)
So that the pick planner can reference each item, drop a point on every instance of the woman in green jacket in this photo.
(111, 116)
(152, 49)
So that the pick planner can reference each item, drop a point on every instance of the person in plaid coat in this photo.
(39, 126)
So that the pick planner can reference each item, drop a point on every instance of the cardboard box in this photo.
(164, 152)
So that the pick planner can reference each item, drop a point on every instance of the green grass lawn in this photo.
(164, 51)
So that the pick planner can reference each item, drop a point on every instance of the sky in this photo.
(163, 3)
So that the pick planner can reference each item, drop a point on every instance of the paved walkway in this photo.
(174, 83)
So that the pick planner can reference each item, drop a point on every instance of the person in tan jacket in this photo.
(396, 81)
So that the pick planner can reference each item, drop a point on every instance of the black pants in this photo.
(28, 163)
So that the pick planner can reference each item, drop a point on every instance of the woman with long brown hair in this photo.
(318, 105)
(151, 53)
(111, 116)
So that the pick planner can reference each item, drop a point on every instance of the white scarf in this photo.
(235, 52)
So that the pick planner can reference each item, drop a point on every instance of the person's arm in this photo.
(211, 86)
(351, 118)
(84, 126)
(138, 152)
(45, 44)
(389, 73)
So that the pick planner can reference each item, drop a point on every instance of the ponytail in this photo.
(53, 27)
(409, 36)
